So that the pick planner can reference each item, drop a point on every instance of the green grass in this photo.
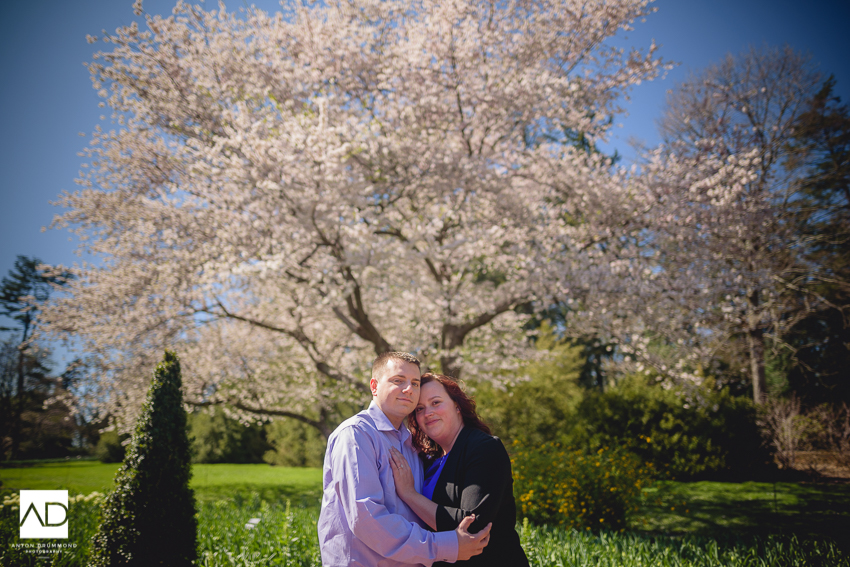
(723, 508)
(286, 536)
(549, 547)
(210, 482)
(700, 524)
(303, 486)
(78, 477)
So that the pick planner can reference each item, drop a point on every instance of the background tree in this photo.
(149, 519)
(110, 447)
(19, 399)
(217, 438)
(284, 197)
(46, 425)
(294, 444)
(540, 400)
(821, 342)
(730, 239)
(8, 381)
(21, 293)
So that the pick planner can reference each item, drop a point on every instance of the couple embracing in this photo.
(436, 490)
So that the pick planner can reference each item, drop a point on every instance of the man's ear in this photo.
(373, 385)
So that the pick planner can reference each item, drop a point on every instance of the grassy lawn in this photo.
(700, 508)
(723, 508)
(210, 482)
(699, 524)
(78, 477)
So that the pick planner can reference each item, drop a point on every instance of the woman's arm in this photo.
(421, 506)
(486, 480)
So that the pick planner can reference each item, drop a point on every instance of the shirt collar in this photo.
(382, 422)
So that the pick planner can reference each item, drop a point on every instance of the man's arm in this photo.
(358, 486)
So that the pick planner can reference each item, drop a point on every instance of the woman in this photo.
(467, 471)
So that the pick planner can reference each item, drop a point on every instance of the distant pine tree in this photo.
(149, 519)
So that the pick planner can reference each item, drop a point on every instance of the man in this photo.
(363, 522)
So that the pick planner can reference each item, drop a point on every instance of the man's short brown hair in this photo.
(385, 357)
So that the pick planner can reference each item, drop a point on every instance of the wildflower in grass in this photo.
(12, 501)
(94, 498)
(252, 523)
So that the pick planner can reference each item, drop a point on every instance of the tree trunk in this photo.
(755, 342)
(450, 366)
(19, 407)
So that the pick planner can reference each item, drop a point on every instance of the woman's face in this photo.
(437, 414)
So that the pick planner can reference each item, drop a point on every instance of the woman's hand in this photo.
(406, 490)
(402, 474)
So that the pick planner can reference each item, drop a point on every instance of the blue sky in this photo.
(47, 99)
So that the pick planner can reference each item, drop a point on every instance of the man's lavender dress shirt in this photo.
(363, 522)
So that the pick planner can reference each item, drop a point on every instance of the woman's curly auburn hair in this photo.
(425, 444)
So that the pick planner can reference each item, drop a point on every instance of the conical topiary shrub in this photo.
(149, 519)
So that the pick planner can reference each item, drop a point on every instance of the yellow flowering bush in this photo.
(576, 489)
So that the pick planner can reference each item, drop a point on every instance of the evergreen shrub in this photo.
(149, 519)
(575, 489)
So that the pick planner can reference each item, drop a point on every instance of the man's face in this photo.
(396, 391)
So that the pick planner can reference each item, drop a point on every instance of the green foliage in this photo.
(574, 489)
(149, 519)
(701, 432)
(284, 535)
(536, 410)
(27, 281)
(727, 524)
(216, 438)
(821, 341)
(109, 448)
(547, 545)
(295, 444)
(83, 513)
(776, 368)
(822, 357)
(698, 432)
(31, 428)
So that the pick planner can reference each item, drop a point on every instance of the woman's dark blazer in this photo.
(476, 479)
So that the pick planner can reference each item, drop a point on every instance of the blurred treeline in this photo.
(49, 429)
(39, 421)
(217, 438)
(711, 430)
(685, 431)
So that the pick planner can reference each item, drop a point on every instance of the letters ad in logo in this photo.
(44, 514)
